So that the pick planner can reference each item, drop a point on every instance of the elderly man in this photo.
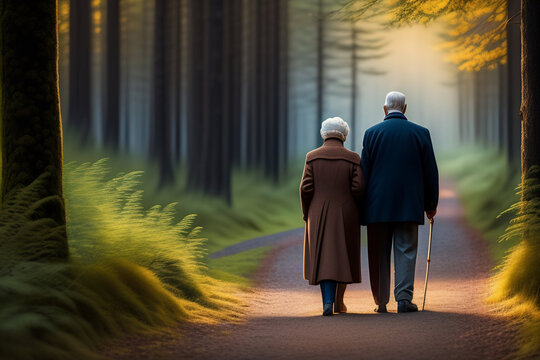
(402, 182)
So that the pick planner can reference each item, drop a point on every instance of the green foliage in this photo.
(131, 270)
(61, 311)
(487, 187)
(517, 284)
(486, 184)
(259, 206)
(27, 232)
(106, 220)
(237, 267)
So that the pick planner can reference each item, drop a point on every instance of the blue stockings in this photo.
(328, 291)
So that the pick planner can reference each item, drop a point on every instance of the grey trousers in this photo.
(405, 241)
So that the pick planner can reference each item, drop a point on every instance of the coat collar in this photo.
(395, 115)
(333, 142)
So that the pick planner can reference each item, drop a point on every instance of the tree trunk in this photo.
(177, 82)
(112, 73)
(503, 107)
(354, 75)
(32, 130)
(161, 140)
(284, 83)
(320, 70)
(530, 78)
(209, 160)
(514, 79)
(79, 109)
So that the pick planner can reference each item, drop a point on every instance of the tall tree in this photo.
(209, 151)
(31, 130)
(176, 77)
(321, 16)
(112, 75)
(530, 79)
(283, 90)
(232, 72)
(513, 36)
(79, 108)
(161, 140)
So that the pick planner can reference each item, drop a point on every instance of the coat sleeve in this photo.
(366, 159)
(307, 188)
(358, 184)
(431, 176)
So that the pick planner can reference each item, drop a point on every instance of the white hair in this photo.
(395, 101)
(334, 127)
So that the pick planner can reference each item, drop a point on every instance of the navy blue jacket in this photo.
(400, 170)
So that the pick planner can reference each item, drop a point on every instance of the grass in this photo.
(131, 269)
(238, 268)
(259, 207)
(487, 187)
(135, 266)
(517, 283)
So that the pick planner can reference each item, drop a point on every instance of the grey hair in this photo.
(395, 101)
(334, 127)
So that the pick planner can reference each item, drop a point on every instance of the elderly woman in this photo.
(331, 194)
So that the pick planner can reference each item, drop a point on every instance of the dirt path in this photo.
(284, 318)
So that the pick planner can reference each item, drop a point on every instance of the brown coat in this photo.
(331, 193)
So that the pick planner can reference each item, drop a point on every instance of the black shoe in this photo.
(406, 306)
(381, 309)
(328, 309)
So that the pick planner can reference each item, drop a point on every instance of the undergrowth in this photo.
(259, 206)
(131, 269)
(517, 282)
(487, 184)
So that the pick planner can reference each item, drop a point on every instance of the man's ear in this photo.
(385, 110)
(404, 108)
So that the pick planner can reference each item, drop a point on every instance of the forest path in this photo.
(284, 317)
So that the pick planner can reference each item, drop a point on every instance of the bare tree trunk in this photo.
(530, 77)
(514, 79)
(503, 107)
(284, 83)
(79, 110)
(197, 38)
(320, 69)
(176, 77)
(112, 89)
(32, 130)
(354, 75)
(160, 143)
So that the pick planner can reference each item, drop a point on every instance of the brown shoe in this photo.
(340, 308)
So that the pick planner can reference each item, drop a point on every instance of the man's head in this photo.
(395, 101)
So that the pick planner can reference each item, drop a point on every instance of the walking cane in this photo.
(428, 260)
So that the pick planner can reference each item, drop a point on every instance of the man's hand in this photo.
(431, 213)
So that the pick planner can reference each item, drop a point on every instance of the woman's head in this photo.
(334, 127)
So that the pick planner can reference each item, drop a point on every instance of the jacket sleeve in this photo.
(307, 189)
(366, 159)
(358, 184)
(431, 176)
